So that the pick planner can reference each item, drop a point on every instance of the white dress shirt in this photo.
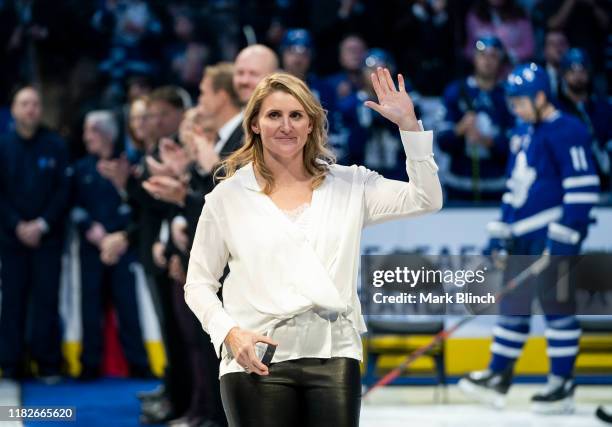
(277, 271)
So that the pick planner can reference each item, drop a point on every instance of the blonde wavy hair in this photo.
(317, 156)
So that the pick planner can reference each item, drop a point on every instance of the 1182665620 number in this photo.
(28, 413)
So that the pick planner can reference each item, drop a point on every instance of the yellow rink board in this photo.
(462, 355)
(155, 351)
(467, 354)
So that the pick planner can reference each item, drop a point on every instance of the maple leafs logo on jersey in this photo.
(521, 180)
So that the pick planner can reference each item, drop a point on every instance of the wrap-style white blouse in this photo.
(277, 270)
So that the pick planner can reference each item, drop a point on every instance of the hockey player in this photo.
(474, 130)
(552, 186)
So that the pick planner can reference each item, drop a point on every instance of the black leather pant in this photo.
(303, 392)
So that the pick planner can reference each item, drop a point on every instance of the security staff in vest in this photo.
(99, 210)
(34, 187)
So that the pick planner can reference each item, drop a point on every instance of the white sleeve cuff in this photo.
(42, 224)
(563, 234)
(499, 230)
(218, 328)
(179, 220)
(164, 232)
(417, 145)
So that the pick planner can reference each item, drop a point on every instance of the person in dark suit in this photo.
(165, 109)
(219, 106)
(187, 184)
(34, 189)
(224, 89)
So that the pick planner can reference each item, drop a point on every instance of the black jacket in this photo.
(201, 185)
(148, 214)
(34, 182)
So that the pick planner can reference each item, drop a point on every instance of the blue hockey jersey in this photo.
(595, 113)
(552, 184)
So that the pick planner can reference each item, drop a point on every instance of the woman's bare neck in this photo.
(287, 172)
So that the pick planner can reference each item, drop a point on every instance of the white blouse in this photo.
(314, 333)
(283, 278)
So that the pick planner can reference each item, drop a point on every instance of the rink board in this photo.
(453, 230)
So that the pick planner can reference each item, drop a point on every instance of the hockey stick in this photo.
(533, 270)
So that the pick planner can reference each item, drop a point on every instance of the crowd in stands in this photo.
(92, 55)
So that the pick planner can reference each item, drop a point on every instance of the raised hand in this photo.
(157, 168)
(206, 155)
(166, 188)
(174, 156)
(393, 104)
